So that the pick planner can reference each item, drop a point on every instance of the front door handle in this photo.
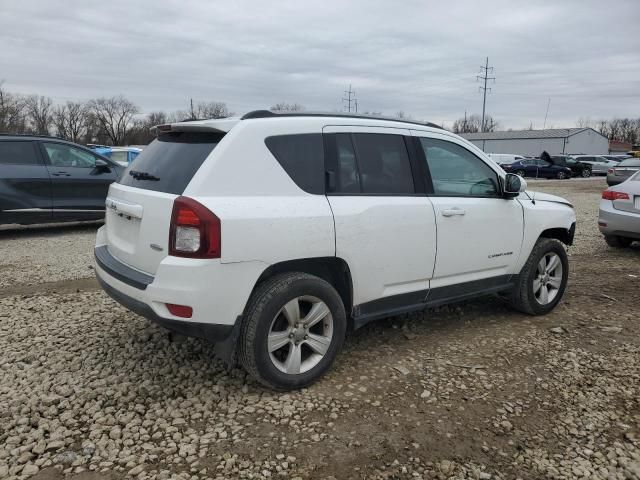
(61, 174)
(450, 212)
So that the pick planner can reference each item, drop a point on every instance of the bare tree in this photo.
(12, 112)
(287, 107)
(584, 123)
(212, 110)
(472, 124)
(114, 115)
(140, 132)
(71, 120)
(40, 113)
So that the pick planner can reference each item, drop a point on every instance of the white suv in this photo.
(272, 235)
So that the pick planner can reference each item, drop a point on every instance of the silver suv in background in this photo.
(619, 218)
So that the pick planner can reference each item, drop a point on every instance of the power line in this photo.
(485, 76)
(349, 99)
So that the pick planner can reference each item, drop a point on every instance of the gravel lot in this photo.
(90, 391)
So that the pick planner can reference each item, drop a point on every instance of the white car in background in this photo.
(599, 164)
(124, 155)
(272, 235)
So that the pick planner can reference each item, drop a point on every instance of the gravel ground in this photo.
(472, 391)
(35, 255)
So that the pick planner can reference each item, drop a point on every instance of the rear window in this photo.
(18, 153)
(169, 162)
(302, 157)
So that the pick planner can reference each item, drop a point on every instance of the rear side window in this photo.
(372, 163)
(169, 162)
(18, 153)
(302, 157)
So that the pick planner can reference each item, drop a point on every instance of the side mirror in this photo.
(102, 165)
(514, 185)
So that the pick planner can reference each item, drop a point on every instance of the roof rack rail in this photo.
(271, 114)
(37, 135)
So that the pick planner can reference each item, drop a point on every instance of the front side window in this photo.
(61, 155)
(18, 153)
(455, 171)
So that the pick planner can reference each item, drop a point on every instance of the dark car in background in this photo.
(47, 179)
(537, 168)
(578, 169)
(623, 170)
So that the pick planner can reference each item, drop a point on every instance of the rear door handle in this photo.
(450, 212)
(61, 174)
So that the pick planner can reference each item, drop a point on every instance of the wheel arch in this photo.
(333, 270)
(565, 235)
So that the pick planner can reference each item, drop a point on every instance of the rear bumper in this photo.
(207, 331)
(217, 292)
(618, 222)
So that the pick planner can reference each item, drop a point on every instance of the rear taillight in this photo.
(611, 195)
(194, 231)
(610, 170)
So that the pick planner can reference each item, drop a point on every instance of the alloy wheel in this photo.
(548, 278)
(300, 335)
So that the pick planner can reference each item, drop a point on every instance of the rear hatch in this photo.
(139, 205)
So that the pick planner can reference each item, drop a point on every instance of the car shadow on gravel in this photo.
(47, 230)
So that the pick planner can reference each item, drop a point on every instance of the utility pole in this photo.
(544, 125)
(485, 76)
(350, 98)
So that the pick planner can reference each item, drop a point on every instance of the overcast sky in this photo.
(418, 56)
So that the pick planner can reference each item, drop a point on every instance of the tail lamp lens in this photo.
(612, 195)
(195, 231)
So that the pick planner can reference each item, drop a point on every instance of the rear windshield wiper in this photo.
(143, 176)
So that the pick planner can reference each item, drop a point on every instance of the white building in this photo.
(534, 142)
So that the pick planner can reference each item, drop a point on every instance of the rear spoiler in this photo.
(215, 126)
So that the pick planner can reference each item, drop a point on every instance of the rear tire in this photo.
(520, 173)
(586, 173)
(293, 328)
(538, 290)
(617, 241)
(561, 175)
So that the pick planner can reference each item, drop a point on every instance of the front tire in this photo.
(293, 328)
(616, 241)
(561, 175)
(543, 279)
(586, 173)
(520, 173)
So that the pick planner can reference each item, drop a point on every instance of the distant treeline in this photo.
(117, 120)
